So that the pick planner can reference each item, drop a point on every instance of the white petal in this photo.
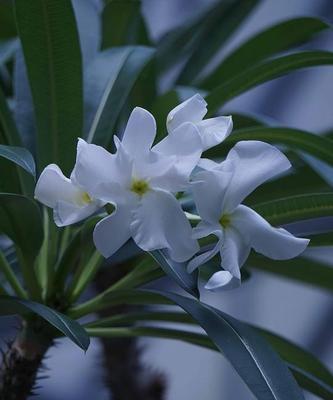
(160, 223)
(207, 164)
(234, 252)
(222, 280)
(275, 243)
(94, 166)
(191, 110)
(208, 190)
(53, 186)
(203, 258)
(204, 229)
(140, 132)
(254, 163)
(214, 130)
(113, 231)
(65, 213)
(183, 147)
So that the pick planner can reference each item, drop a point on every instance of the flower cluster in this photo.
(141, 180)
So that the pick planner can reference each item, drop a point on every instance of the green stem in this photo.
(109, 298)
(29, 276)
(190, 337)
(130, 318)
(11, 278)
(88, 273)
(3, 291)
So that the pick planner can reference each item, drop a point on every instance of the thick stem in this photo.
(20, 364)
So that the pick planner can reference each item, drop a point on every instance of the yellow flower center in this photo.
(225, 220)
(85, 198)
(139, 186)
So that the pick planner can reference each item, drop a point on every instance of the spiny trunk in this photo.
(20, 364)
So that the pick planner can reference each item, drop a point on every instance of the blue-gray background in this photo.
(302, 313)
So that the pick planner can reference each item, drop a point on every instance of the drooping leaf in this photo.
(263, 45)
(177, 271)
(20, 156)
(49, 37)
(70, 328)
(212, 34)
(122, 67)
(264, 72)
(190, 37)
(296, 139)
(306, 380)
(254, 360)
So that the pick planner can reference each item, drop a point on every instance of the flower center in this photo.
(139, 186)
(225, 221)
(85, 198)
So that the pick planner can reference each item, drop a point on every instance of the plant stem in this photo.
(11, 278)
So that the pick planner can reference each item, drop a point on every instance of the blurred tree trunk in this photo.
(125, 375)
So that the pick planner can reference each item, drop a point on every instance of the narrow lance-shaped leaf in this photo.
(257, 364)
(121, 68)
(315, 145)
(70, 328)
(123, 24)
(20, 156)
(20, 219)
(265, 44)
(264, 72)
(299, 269)
(177, 271)
(309, 372)
(296, 208)
(217, 26)
(48, 33)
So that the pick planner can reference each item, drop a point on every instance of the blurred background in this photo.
(298, 312)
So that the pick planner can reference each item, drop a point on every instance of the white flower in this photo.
(218, 192)
(139, 180)
(71, 202)
(212, 131)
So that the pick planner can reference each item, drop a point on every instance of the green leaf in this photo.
(301, 180)
(7, 20)
(299, 269)
(315, 145)
(20, 219)
(87, 275)
(256, 363)
(161, 108)
(123, 24)
(241, 121)
(196, 33)
(48, 33)
(177, 271)
(211, 34)
(265, 44)
(265, 72)
(20, 156)
(124, 66)
(309, 372)
(70, 328)
(296, 208)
